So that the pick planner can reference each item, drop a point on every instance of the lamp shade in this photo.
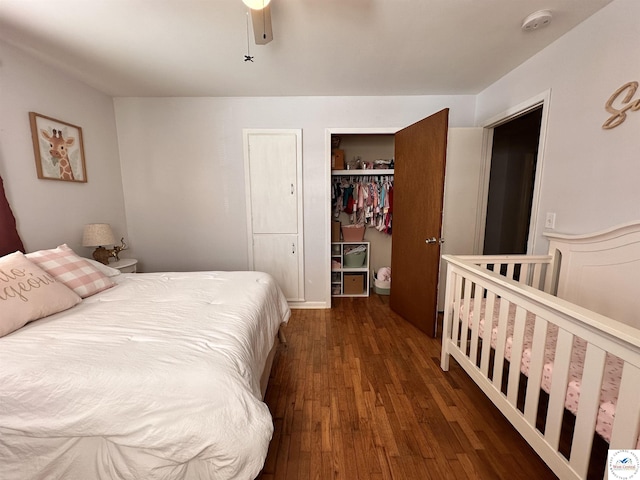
(256, 4)
(97, 235)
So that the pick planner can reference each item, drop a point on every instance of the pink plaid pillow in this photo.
(75, 272)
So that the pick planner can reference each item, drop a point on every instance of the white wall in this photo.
(183, 171)
(590, 177)
(52, 212)
(182, 165)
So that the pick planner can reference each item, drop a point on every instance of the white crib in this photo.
(587, 291)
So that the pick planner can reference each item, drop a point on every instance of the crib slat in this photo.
(625, 432)
(524, 272)
(455, 321)
(535, 370)
(537, 274)
(486, 336)
(558, 391)
(590, 386)
(475, 322)
(464, 331)
(449, 312)
(516, 356)
(510, 270)
(501, 338)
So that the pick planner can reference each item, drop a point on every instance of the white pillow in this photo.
(106, 269)
(28, 293)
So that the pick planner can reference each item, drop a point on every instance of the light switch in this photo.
(550, 221)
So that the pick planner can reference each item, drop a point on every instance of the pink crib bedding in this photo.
(612, 373)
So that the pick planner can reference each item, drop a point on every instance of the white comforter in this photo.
(155, 378)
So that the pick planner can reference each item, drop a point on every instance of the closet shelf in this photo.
(350, 281)
(370, 171)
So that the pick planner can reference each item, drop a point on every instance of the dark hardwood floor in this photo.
(358, 393)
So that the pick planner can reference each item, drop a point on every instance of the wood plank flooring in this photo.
(358, 393)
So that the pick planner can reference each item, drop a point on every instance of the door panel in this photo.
(278, 256)
(461, 190)
(420, 156)
(274, 199)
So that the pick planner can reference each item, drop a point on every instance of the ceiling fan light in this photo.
(256, 4)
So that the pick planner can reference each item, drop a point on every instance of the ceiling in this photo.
(320, 47)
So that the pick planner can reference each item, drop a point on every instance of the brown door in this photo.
(420, 154)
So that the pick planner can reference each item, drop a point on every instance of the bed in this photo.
(154, 376)
(555, 337)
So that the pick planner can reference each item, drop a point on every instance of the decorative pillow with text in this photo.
(75, 272)
(28, 293)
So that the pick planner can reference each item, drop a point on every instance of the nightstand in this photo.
(125, 265)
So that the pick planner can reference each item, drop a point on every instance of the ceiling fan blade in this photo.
(261, 21)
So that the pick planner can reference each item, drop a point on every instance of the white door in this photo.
(273, 173)
(278, 255)
(273, 177)
(461, 190)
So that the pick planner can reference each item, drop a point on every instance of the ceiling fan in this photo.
(261, 20)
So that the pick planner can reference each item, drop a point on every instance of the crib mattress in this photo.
(611, 377)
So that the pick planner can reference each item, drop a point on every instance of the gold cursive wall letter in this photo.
(619, 112)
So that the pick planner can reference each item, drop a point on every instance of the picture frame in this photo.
(58, 149)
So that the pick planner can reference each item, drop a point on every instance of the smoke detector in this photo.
(536, 20)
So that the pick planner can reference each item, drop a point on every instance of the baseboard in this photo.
(308, 305)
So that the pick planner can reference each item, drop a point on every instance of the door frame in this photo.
(327, 187)
(543, 99)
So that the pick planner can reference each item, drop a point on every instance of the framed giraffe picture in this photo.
(58, 149)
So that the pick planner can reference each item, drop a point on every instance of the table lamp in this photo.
(98, 235)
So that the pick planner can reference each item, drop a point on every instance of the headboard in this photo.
(601, 271)
(9, 238)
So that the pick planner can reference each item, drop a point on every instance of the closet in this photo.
(273, 179)
(361, 190)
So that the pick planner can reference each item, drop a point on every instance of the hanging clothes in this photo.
(367, 199)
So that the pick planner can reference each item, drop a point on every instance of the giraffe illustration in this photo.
(58, 149)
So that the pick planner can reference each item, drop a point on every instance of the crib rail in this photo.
(525, 282)
(537, 271)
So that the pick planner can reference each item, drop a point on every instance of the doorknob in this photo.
(434, 240)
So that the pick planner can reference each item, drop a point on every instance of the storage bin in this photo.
(381, 287)
(353, 284)
(381, 291)
(352, 233)
(355, 260)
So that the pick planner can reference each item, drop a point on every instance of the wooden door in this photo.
(420, 156)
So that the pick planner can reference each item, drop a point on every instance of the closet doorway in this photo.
(420, 152)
